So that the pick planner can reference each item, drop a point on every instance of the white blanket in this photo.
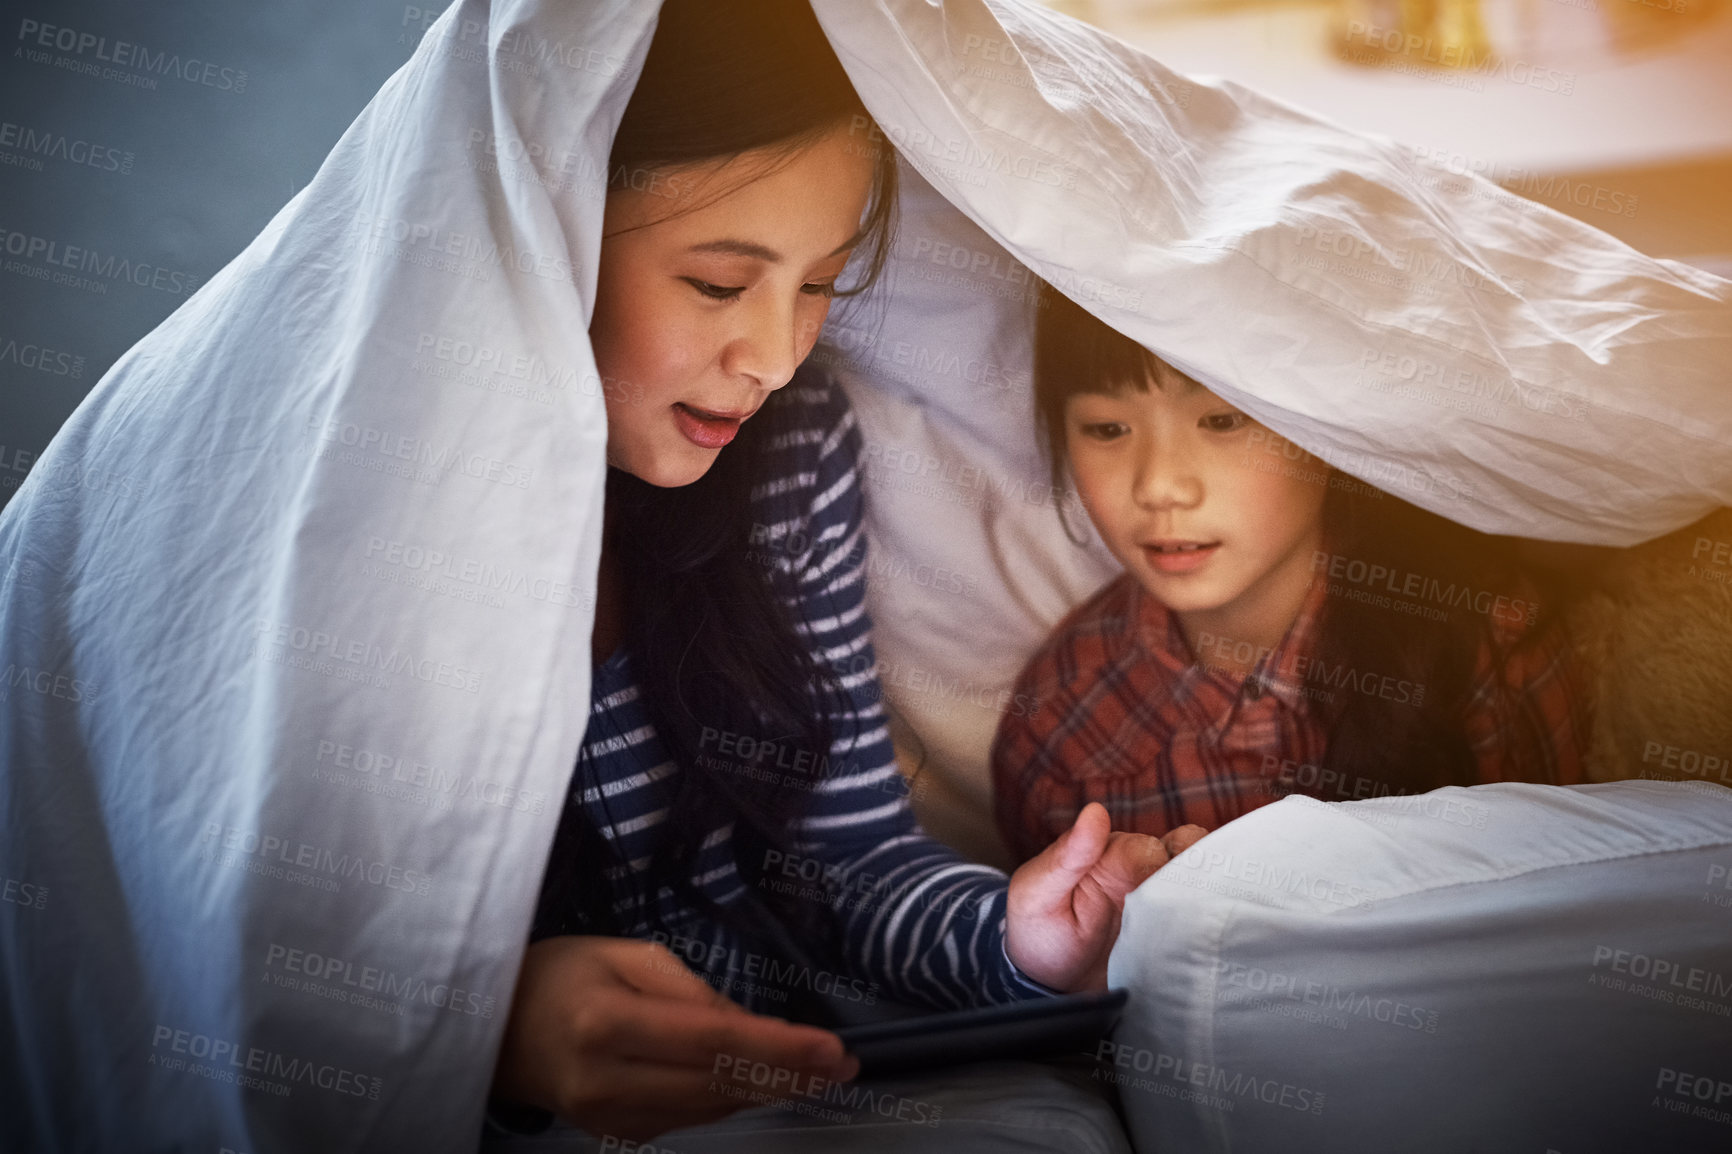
(1508, 967)
(294, 626)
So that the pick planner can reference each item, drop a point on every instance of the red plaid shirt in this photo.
(1130, 718)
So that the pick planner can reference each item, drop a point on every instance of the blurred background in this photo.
(1618, 112)
(141, 148)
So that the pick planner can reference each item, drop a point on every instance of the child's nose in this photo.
(1168, 479)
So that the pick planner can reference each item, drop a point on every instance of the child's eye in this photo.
(1225, 422)
(820, 289)
(1103, 430)
(715, 291)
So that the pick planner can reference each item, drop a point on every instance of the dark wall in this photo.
(141, 147)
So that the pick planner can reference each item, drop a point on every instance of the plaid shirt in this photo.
(1131, 718)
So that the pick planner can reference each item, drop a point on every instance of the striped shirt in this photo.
(1130, 717)
(919, 923)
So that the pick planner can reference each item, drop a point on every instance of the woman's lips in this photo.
(705, 429)
(1179, 556)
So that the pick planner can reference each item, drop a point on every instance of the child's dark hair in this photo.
(1375, 744)
(1075, 353)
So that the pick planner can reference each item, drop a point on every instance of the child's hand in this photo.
(1065, 904)
(1177, 841)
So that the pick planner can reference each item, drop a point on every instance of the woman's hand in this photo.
(618, 1037)
(1064, 905)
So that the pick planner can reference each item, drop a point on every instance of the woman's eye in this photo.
(1103, 430)
(820, 289)
(1225, 422)
(715, 291)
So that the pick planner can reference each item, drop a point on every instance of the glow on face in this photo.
(700, 315)
(1217, 517)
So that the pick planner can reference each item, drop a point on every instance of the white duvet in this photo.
(1509, 967)
(296, 605)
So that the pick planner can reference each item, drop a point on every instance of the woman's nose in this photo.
(767, 346)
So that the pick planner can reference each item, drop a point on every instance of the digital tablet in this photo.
(1047, 1028)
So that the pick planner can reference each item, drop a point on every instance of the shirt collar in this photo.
(1279, 672)
(1282, 671)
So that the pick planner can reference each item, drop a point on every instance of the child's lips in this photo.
(1177, 556)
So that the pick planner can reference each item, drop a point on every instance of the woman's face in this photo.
(700, 316)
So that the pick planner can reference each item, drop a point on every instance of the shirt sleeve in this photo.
(1527, 717)
(917, 918)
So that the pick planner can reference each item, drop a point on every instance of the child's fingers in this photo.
(1179, 840)
(1127, 862)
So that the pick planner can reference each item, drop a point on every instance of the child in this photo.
(1279, 627)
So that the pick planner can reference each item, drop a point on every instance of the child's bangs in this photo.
(1075, 352)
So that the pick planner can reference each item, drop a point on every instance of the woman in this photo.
(730, 619)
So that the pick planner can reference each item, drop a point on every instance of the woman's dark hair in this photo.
(712, 646)
(1409, 747)
(724, 77)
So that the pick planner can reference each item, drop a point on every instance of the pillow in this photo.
(1506, 967)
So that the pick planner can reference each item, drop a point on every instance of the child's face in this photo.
(699, 317)
(1210, 511)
